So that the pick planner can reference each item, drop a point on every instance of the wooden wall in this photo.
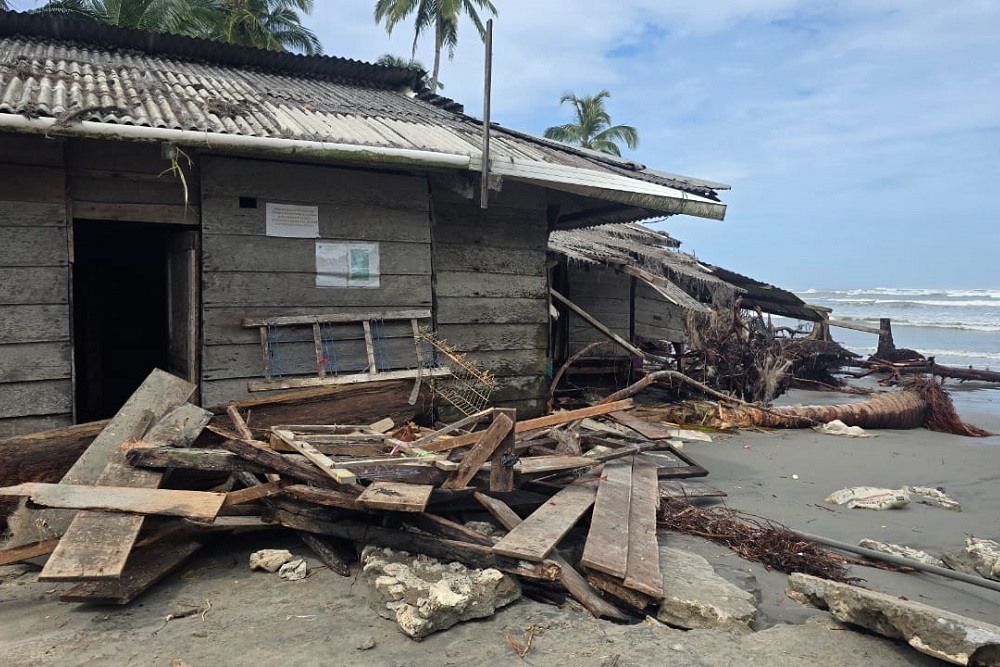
(35, 354)
(607, 295)
(248, 274)
(491, 289)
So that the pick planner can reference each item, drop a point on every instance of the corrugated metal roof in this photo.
(74, 71)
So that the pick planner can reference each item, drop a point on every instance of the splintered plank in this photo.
(320, 460)
(606, 550)
(481, 452)
(147, 565)
(159, 393)
(196, 505)
(642, 427)
(96, 545)
(572, 580)
(643, 570)
(396, 496)
(679, 489)
(540, 532)
(10, 555)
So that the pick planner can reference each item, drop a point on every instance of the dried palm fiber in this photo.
(755, 539)
(941, 415)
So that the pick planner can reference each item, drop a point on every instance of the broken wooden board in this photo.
(321, 461)
(396, 496)
(197, 505)
(606, 549)
(572, 580)
(672, 463)
(539, 533)
(528, 425)
(279, 463)
(148, 565)
(335, 554)
(615, 588)
(643, 568)
(503, 458)
(217, 460)
(10, 555)
(159, 393)
(644, 428)
(481, 452)
(323, 497)
(256, 492)
(96, 545)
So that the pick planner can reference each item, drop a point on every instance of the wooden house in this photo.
(636, 283)
(253, 221)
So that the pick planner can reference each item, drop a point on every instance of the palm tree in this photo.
(443, 15)
(593, 128)
(274, 25)
(267, 24)
(186, 17)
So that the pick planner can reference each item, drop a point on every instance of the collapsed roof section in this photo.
(653, 257)
(62, 76)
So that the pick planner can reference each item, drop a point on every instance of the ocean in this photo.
(958, 327)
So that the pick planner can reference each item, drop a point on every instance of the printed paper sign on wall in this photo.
(301, 222)
(351, 264)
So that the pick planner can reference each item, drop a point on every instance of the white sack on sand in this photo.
(837, 427)
(870, 498)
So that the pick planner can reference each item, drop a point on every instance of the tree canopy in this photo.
(441, 15)
(267, 24)
(592, 127)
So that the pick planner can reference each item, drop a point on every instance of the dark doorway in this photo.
(120, 311)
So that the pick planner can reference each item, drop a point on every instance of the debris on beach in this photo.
(870, 498)
(978, 556)
(935, 497)
(837, 427)
(901, 551)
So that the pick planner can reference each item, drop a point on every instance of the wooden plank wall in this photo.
(657, 318)
(35, 354)
(110, 180)
(248, 274)
(605, 294)
(491, 288)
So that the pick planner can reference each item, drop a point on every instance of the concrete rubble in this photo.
(979, 556)
(424, 595)
(698, 598)
(269, 560)
(902, 551)
(941, 634)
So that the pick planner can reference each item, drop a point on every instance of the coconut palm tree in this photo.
(274, 25)
(186, 17)
(593, 128)
(442, 15)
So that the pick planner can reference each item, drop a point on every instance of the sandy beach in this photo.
(324, 619)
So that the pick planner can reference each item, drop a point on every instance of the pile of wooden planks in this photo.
(596, 471)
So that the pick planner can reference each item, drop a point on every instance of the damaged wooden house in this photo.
(631, 281)
(259, 223)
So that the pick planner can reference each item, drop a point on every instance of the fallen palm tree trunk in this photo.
(921, 403)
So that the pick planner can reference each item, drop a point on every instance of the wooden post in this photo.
(886, 346)
(502, 466)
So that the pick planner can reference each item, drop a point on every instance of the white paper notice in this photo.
(340, 264)
(301, 222)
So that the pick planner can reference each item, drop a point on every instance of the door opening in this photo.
(122, 305)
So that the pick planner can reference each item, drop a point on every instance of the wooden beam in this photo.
(278, 463)
(216, 460)
(256, 492)
(336, 318)
(606, 548)
(198, 505)
(399, 497)
(9, 555)
(643, 570)
(481, 452)
(503, 458)
(856, 327)
(335, 554)
(569, 577)
(353, 378)
(555, 419)
(473, 555)
(320, 460)
(629, 347)
(540, 532)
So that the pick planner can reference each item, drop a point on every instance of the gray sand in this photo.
(323, 620)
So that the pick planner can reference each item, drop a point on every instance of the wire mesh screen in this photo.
(469, 387)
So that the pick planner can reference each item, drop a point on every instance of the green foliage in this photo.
(441, 15)
(593, 128)
(266, 24)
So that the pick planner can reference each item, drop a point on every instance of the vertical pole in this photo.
(484, 186)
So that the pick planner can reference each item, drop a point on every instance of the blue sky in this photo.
(861, 138)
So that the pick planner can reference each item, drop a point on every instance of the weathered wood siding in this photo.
(246, 273)
(605, 295)
(657, 318)
(112, 180)
(35, 354)
(491, 289)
